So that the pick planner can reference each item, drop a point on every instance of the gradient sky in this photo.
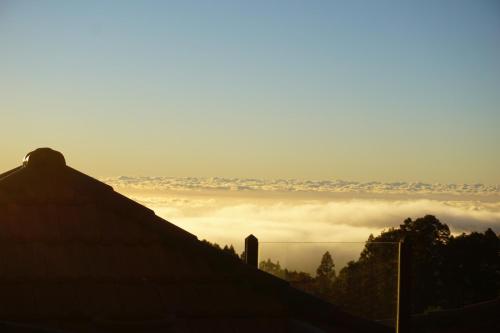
(361, 90)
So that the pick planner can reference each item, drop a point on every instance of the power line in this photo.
(328, 242)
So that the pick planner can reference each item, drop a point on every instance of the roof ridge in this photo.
(7, 173)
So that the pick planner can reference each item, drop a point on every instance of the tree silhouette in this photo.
(471, 268)
(226, 249)
(325, 275)
(428, 237)
(326, 268)
(272, 268)
(447, 271)
(300, 280)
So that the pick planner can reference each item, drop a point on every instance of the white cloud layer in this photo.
(224, 212)
(296, 185)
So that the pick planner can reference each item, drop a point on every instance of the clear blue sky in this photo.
(362, 90)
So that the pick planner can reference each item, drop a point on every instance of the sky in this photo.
(315, 121)
(358, 90)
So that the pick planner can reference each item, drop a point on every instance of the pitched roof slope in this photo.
(78, 256)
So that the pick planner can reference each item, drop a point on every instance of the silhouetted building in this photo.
(76, 256)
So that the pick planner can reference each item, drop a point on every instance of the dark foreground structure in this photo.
(76, 256)
(480, 317)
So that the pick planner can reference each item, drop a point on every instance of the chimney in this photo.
(252, 250)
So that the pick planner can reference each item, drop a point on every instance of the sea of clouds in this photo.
(296, 185)
(226, 210)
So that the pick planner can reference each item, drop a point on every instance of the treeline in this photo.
(226, 249)
(447, 271)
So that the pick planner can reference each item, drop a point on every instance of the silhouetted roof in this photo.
(76, 255)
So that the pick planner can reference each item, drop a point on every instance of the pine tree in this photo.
(326, 269)
(325, 275)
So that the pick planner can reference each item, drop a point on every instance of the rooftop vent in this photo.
(44, 158)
